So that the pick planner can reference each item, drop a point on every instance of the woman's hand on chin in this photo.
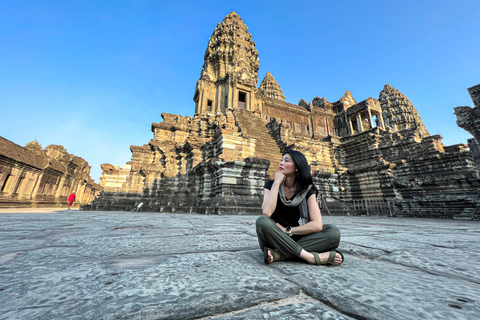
(279, 177)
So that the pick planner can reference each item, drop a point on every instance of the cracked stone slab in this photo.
(300, 311)
(188, 284)
(122, 265)
(381, 290)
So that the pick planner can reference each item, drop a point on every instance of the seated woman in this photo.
(291, 225)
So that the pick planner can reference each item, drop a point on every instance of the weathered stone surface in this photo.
(421, 177)
(307, 311)
(32, 176)
(115, 265)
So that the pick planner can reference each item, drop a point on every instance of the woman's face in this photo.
(287, 166)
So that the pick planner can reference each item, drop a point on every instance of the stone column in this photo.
(359, 122)
(37, 185)
(349, 128)
(58, 194)
(250, 98)
(231, 96)
(380, 120)
(369, 118)
(216, 104)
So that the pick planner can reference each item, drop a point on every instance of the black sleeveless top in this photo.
(286, 216)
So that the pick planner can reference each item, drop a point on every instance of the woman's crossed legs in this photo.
(284, 247)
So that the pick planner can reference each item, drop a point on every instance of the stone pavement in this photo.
(59, 264)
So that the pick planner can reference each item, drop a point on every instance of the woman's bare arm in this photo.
(270, 196)
(315, 224)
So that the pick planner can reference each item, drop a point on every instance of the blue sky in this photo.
(93, 75)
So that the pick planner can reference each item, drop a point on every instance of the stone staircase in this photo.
(253, 126)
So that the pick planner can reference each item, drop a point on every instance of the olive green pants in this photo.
(271, 236)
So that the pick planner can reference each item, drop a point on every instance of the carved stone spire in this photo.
(35, 147)
(230, 65)
(271, 88)
(305, 104)
(319, 102)
(347, 99)
(231, 51)
(399, 113)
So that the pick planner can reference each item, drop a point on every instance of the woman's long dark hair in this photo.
(303, 175)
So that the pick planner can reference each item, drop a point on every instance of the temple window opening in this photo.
(365, 120)
(209, 105)
(242, 100)
(8, 180)
(353, 121)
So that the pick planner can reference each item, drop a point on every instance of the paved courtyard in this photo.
(59, 264)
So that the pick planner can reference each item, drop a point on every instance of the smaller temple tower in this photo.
(230, 71)
(271, 88)
(399, 113)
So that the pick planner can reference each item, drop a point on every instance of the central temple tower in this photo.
(230, 71)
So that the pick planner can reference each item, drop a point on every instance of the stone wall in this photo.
(296, 116)
(220, 187)
(30, 176)
(424, 178)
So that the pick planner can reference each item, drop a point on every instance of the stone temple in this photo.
(34, 177)
(373, 156)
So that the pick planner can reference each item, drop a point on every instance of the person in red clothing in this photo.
(70, 200)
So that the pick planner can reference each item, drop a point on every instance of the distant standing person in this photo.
(291, 226)
(70, 200)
